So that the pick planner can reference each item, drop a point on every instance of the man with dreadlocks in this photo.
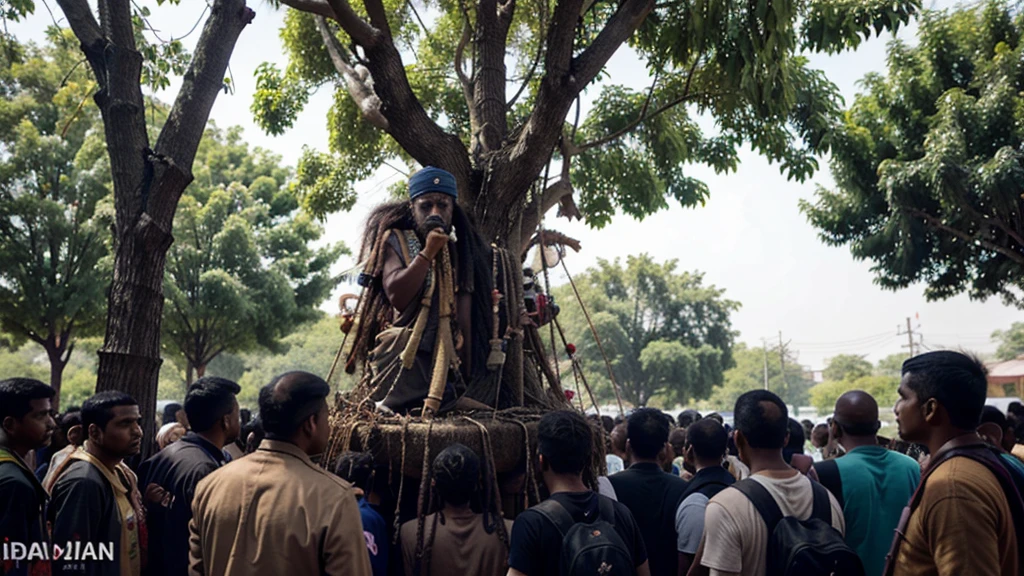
(455, 540)
(428, 276)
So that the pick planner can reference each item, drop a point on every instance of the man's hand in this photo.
(436, 240)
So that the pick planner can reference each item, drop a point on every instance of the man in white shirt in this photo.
(735, 536)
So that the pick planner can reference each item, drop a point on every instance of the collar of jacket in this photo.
(286, 448)
(646, 467)
(108, 473)
(216, 453)
(8, 455)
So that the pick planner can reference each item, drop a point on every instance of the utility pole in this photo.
(782, 360)
(910, 338)
(764, 345)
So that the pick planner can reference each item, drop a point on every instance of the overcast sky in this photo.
(750, 238)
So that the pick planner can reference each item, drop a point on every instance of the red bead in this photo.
(569, 395)
(570, 348)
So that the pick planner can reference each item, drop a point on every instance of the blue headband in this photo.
(432, 179)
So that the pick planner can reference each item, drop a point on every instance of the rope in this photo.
(544, 267)
(593, 330)
(493, 519)
(424, 482)
(577, 371)
(401, 483)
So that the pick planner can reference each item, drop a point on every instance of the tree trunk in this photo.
(57, 364)
(200, 371)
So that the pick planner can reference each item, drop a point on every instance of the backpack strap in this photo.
(762, 501)
(557, 515)
(828, 476)
(606, 509)
(822, 508)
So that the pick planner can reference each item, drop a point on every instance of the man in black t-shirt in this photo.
(564, 444)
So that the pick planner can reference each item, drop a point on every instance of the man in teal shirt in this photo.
(872, 483)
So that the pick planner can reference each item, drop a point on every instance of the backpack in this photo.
(828, 476)
(809, 547)
(591, 549)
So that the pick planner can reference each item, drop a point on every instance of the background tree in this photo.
(847, 367)
(891, 365)
(148, 179)
(241, 272)
(53, 225)
(748, 374)
(667, 334)
(928, 163)
(1011, 341)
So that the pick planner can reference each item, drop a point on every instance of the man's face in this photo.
(122, 437)
(234, 424)
(433, 210)
(35, 429)
(909, 412)
(321, 431)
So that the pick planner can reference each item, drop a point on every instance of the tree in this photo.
(847, 367)
(891, 365)
(667, 334)
(748, 374)
(241, 273)
(1011, 341)
(148, 179)
(928, 163)
(53, 224)
(881, 388)
(498, 125)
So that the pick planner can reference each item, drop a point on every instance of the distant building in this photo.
(1006, 378)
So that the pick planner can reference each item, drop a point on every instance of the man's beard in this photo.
(432, 223)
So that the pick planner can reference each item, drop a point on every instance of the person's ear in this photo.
(834, 431)
(543, 462)
(94, 433)
(309, 425)
(688, 454)
(930, 411)
(8, 424)
(740, 440)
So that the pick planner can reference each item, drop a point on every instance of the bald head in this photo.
(288, 400)
(856, 414)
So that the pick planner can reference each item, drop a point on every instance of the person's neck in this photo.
(940, 436)
(765, 459)
(699, 465)
(215, 437)
(851, 442)
(109, 461)
(564, 483)
(20, 449)
(637, 460)
(457, 509)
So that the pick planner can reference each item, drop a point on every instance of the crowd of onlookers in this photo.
(226, 493)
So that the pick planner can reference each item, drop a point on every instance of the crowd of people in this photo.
(688, 495)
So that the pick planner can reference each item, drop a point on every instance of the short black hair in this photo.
(796, 436)
(607, 423)
(995, 416)
(687, 417)
(245, 415)
(284, 408)
(17, 394)
(171, 413)
(99, 409)
(953, 379)
(69, 420)
(565, 439)
(456, 474)
(647, 432)
(763, 419)
(208, 400)
(1016, 408)
(356, 468)
(708, 439)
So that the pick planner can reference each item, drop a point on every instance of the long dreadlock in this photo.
(473, 277)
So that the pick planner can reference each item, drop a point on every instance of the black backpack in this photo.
(809, 547)
(591, 549)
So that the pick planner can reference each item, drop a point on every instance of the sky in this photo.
(750, 238)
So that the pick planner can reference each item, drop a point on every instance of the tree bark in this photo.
(58, 360)
(147, 182)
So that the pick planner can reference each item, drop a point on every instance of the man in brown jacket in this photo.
(275, 511)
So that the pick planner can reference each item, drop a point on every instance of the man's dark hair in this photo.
(647, 432)
(687, 417)
(995, 416)
(69, 420)
(1016, 408)
(17, 394)
(716, 417)
(171, 413)
(607, 423)
(565, 439)
(819, 434)
(99, 409)
(208, 400)
(708, 439)
(289, 400)
(356, 468)
(955, 380)
(245, 415)
(763, 419)
(456, 474)
(796, 437)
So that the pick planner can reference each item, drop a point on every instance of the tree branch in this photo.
(619, 28)
(636, 123)
(937, 223)
(318, 7)
(358, 87)
(87, 30)
(378, 15)
(536, 60)
(116, 22)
